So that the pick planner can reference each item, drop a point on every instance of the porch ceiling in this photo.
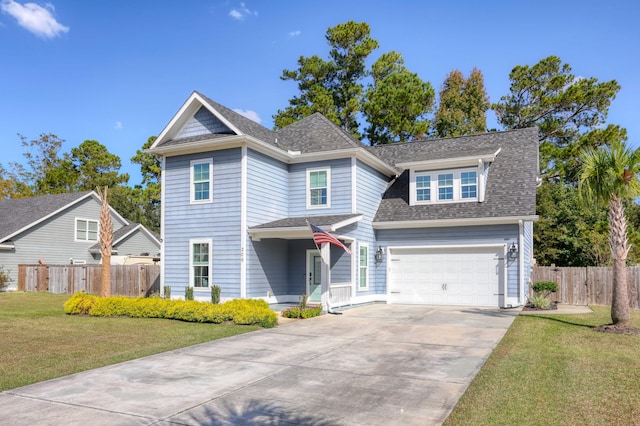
(295, 228)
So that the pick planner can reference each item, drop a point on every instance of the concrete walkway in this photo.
(373, 365)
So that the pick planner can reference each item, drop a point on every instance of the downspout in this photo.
(243, 223)
(163, 185)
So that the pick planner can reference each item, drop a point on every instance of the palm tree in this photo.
(609, 175)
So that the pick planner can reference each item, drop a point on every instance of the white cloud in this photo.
(251, 115)
(294, 33)
(118, 125)
(35, 18)
(242, 12)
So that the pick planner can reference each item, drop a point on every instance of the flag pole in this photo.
(325, 271)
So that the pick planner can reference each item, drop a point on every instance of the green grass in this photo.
(40, 342)
(556, 370)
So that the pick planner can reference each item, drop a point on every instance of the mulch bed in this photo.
(530, 307)
(619, 329)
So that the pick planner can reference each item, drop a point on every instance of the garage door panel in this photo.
(451, 276)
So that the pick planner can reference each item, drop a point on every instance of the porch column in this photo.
(325, 276)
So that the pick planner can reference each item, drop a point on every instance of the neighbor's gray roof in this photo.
(295, 222)
(511, 184)
(19, 213)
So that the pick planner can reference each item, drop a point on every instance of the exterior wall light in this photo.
(513, 251)
(379, 254)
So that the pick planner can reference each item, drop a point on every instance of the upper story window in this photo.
(201, 181)
(428, 186)
(318, 188)
(86, 230)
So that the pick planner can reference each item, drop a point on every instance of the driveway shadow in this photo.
(249, 413)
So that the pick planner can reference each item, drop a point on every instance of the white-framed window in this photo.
(443, 186)
(86, 230)
(363, 266)
(200, 265)
(319, 188)
(201, 181)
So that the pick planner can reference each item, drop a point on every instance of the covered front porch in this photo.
(285, 263)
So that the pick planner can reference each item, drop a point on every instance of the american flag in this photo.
(320, 236)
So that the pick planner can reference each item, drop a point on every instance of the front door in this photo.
(314, 276)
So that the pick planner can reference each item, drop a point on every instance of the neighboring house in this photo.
(446, 221)
(63, 229)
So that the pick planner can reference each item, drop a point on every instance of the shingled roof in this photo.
(511, 184)
(314, 134)
(17, 214)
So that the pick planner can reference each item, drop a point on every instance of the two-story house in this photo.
(446, 221)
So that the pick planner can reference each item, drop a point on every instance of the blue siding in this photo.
(297, 265)
(464, 235)
(202, 123)
(340, 188)
(267, 268)
(219, 220)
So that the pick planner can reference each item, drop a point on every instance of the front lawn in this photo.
(41, 342)
(556, 370)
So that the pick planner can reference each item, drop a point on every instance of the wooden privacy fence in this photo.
(590, 285)
(126, 280)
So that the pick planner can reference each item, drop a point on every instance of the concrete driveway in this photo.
(373, 365)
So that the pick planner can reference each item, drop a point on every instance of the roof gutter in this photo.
(439, 223)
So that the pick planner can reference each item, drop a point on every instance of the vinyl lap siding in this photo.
(202, 123)
(219, 220)
(136, 244)
(340, 188)
(528, 254)
(267, 200)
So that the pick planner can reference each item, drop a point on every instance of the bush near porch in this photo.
(238, 311)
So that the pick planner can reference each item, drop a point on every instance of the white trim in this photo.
(308, 254)
(162, 216)
(521, 262)
(354, 271)
(354, 185)
(193, 241)
(400, 224)
(481, 181)
(327, 170)
(75, 230)
(366, 288)
(192, 164)
(502, 286)
(298, 232)
(7, 246)
(243, 223)
(452, 162)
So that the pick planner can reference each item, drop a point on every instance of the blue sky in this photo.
(116, 71)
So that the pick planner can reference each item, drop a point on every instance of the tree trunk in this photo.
(106, 240)
(620, 312)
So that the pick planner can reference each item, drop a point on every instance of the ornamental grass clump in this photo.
(238, 311)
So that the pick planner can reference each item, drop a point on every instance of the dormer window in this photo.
(449, 180)
(443, 186)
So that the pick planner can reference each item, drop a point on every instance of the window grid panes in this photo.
(423, 188)
(86, 230)
(445, 186)
(200, 264)
(201, 181)
(364, 264)
(318, 188)
(468, 184)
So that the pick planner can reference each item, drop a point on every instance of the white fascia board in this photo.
(286, 233)
(215, 112)
(438, 223)
(447, 246)
(199, 146)
(186, 111)
(360, 153)
(444, 163)
(345, 222)
(7, 246)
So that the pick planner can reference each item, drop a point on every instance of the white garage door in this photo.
(466, 276)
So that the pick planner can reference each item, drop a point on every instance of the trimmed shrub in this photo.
(240, 311)
(296, 312)
(215, 294)
(80, 304)
(4, 279)
(545, 287)
(188, 293)
(167, 292)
